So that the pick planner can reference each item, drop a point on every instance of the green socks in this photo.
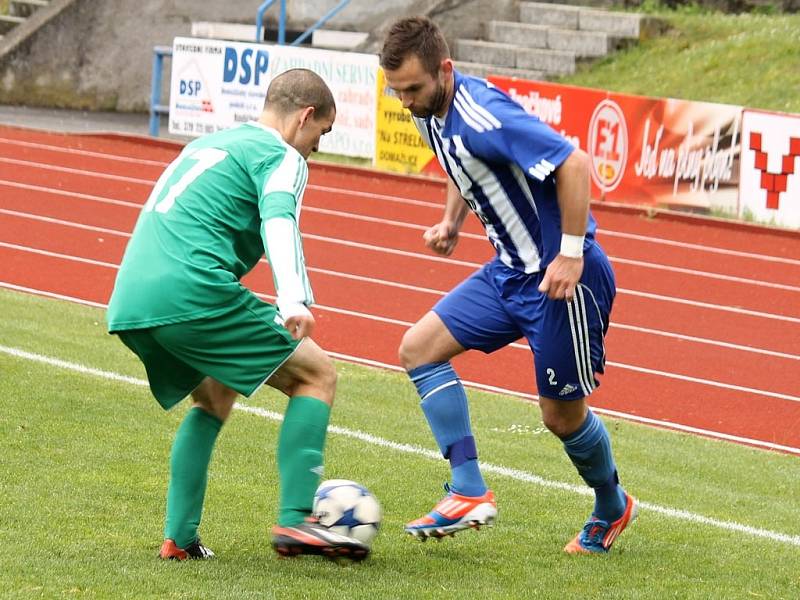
(300, 446)
(189, 460)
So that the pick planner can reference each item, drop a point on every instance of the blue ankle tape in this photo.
(462, 451)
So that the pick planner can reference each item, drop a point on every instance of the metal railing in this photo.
(160, 52)
(282, 21)
(156, 109)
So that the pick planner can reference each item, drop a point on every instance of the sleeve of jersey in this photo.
(522, 139)
(279, 206)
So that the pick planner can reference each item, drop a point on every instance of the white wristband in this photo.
(292, 309)
(571, 245)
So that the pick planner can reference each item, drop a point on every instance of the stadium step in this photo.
(518, 34)
(483, 70)
(549, 39)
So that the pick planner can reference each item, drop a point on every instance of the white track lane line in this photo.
(433, 258)
(124, 234)
(367, 438)
(414, 226)
(624, 261)
(518, 346)
(413, 202)
(82, 152)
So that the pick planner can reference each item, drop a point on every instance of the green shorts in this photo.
(241, 349)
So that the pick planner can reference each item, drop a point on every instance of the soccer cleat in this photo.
(195, 550)
(597, 535)
(454, 513)
(312, 538)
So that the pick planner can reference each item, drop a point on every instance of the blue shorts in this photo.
(497, 305)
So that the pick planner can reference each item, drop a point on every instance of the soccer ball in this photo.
(347, 508)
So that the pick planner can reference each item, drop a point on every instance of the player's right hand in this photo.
(441, 238)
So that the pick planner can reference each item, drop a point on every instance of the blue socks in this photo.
(589, 449)
(444, 403)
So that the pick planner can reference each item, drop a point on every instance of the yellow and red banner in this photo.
(398, 145)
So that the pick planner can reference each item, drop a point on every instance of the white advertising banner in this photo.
(216, 84)
(769, 188)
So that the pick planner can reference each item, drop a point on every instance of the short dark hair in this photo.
(418, 36)
(297, 89)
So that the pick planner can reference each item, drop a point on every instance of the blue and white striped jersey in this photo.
(502, 159)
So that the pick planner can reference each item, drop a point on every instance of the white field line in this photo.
(367, 438)
(376, 281)
(391, 198)
(483, 386)
(407, 324)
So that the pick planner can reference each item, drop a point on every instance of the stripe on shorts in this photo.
(580, 340)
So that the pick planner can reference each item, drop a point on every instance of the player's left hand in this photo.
(561, 277)
(300, 326)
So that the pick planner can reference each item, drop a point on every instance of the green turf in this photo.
(751, 60)
(84, 467)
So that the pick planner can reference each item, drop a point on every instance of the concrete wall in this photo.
(97, 54)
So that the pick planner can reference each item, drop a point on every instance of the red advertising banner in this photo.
(665, 152)
(770, 186)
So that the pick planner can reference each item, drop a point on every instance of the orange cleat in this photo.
(455, 513)
(597, 535)
(195, 550)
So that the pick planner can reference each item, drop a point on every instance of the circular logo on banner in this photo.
(608, 145)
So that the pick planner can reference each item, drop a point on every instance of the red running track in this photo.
(705, 330)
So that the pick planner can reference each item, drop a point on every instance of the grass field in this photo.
(84, 469)
(750, 60)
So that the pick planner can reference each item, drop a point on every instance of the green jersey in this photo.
(229, 197)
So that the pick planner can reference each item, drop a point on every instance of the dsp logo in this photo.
(190, 87)
(245, 66)
(608, 145)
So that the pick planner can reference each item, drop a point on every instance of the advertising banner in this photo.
(398, 145)
(770, 183)
(665, 152)
(216, 84)
(567, 109)
(681, 154)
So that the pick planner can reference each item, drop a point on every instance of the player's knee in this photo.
(409, 351)
(556, 424)
(321, 379)
(328, 376)
(562, 417)
(215, 398)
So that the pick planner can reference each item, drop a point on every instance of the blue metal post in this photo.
(260, 19)
(322, 21)
(282, 24)
(156, 109)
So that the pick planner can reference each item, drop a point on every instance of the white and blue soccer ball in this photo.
(347, 508)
